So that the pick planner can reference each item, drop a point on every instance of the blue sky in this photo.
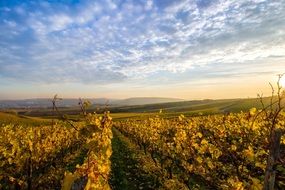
(190, 49)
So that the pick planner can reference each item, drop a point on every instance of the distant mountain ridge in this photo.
(144, 101)
(71, 102)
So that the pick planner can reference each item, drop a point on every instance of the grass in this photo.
(127, 173)
(187, 107)
(172, 109)
(132, 169)
(10, 118)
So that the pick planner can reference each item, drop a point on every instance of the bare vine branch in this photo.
(55, 109)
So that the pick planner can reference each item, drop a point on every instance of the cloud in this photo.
(116, 41)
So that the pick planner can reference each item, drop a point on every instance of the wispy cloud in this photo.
(121, 40)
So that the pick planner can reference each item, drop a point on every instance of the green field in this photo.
(172, 109)
(12, 118)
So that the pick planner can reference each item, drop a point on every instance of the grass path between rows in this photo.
(133, 170)
(127, 171)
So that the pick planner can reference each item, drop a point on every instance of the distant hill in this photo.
(35, 103)
(47, 103)
(144, 101)
(197, 106)
(193, 107)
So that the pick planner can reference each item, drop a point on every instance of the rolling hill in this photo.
(73, 102)
(194, 107)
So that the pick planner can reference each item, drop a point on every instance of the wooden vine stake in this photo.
(274, 138)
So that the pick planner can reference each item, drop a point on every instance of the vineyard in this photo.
(243, 150)
(220, 152)
(57, 156)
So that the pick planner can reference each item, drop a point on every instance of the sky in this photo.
(191, 49)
